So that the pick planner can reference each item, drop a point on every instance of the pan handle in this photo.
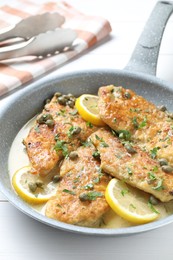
(145, 55)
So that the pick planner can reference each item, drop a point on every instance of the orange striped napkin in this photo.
(90, 30)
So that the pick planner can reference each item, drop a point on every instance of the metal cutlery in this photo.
(40, 45)
(41, 36)
(32, 26)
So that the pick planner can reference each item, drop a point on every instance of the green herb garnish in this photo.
(153, 152)
(135, 123)
(123, 192)
(61, 146)
(159, 185)
(124, 134)
(69, 192)
(87, 143)
(132, 205)
(91, 195)
(150, 205)
(151, 176)
(89, 124)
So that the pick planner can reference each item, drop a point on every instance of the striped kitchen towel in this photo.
(90, 30)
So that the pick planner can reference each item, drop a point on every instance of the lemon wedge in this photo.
(31, 188)
(87, 106)
(130, 203)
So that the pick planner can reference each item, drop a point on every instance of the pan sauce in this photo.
(18, 159)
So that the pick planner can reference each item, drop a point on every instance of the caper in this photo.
(70, 103)
(50, 123)
(39, 183)
(58, 94)
(56, 178)
(73, 99)
(130, 148)
(70, 95)
(73, 155)
(83, 197)
(43, 118)
(76, 130)
(62, 100)
(66, 97)
(32, 186)
(47, 101)
(167, 168)
(127, 95)
(153, 200)
(162, 108)
(170, 115)
(163, 161)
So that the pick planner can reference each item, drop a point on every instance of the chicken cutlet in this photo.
(80, 196)
(132, 165)
(58, 130)
(133, 117)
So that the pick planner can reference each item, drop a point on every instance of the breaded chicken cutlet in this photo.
(133, 117)
(58, 130)
(132, 165)
(80, 196)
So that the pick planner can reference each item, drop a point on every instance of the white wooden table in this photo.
(24, 238)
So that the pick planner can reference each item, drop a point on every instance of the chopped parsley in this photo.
(102, 142)
(69, 192)
(150, 205)
(132, 205)
(123, 192)
(91, 195)
(153, 152)
(124, 134)
(87, 143)
(61, 112)
(135, 110)
(61, 146)
(139, 125)
(159, 185)
(151, 176)
(135, 122)
(89, 124)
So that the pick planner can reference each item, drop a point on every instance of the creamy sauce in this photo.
(18, 158)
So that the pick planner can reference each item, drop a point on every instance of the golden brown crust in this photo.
(40, 142)
(138, 168)
(123, 109)
(80, 176)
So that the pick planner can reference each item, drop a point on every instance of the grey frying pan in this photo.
(139, 75)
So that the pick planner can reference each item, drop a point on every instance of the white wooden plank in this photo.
(25, 238)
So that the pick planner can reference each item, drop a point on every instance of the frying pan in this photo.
(139, 75)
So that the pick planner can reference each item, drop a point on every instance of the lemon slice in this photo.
(31, 188)
(87, 106)
(129, 203)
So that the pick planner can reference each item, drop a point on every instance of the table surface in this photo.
(24, 238)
